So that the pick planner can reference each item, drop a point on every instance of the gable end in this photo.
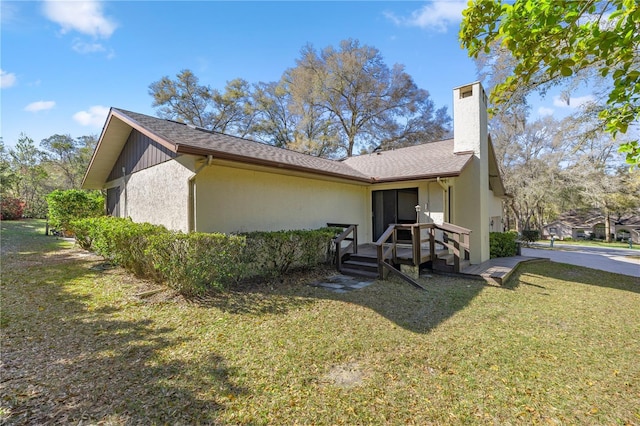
(139, 152)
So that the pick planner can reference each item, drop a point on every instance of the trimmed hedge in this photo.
(192, 263)
(73, 204)
(274, 253)
(503, 244)
(530, 235)
(196, 262)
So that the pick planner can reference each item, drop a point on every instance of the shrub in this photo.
(530, 235)
(192, 263)
(72, 204)
(503, 244)
(274, 253)
(85, 231)
(119, 240)
(11, 208)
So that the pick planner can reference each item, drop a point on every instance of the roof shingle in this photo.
(430, 159)
(421, 161)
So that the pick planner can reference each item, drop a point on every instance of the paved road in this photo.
(620, 261)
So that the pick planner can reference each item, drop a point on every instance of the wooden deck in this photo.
(498, 270)
(494, 271)
(404, 251)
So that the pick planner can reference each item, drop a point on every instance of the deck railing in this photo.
(386, 251)
(350, 234)
(455, 239)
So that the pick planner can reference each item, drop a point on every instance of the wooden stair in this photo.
(445, 262)
(360, 266)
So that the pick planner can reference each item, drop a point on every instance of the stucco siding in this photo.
(158, 195)
(495, 213)
(471, 194)
(471, 209)
(432, 201)
(240, 200)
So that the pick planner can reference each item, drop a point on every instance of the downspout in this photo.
(192, 194)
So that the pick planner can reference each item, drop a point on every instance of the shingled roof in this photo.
(194, 140)
(417, 162)
(428, 160)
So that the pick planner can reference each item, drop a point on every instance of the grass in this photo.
(557, 345)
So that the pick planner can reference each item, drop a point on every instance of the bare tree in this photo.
(369, 104)
(183, 99)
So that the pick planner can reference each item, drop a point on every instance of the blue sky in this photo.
(64, 63)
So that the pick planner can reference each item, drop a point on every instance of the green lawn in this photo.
(558, 345)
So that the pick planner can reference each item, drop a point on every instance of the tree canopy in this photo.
(368, 104)
(551, 41)
(29, 172)
(334, 102)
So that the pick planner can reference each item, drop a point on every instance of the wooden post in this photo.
(432, 244)
(355, 239)
(456, 252)
(380, 260)
(415, 240)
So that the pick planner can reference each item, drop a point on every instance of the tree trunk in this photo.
(607, 225)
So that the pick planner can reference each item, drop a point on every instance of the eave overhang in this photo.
(116, 131)
(222, 155)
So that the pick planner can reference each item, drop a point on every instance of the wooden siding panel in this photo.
(113, 201)
(139, 153)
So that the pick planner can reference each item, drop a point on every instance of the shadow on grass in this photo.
(411, 308)
(576, 274)
(414, 309)
(65, 363)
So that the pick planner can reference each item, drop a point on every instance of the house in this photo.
(576, 225)
(587, 224)
(190, 179)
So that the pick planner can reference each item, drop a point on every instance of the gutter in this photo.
(184, 149)
(191, 182)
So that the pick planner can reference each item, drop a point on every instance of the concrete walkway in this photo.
(619, 261)
(339, 283)
(498, 270)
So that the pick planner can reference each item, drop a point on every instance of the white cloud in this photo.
(7, 79)
(83, 47)
(543, 111)
(95, 116)
(85, 17)
(40, 106)
(8, 12)
(568, 102)
(437, 16)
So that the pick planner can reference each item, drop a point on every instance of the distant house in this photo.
(627, 226)
(190, 179)
(591, 224)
